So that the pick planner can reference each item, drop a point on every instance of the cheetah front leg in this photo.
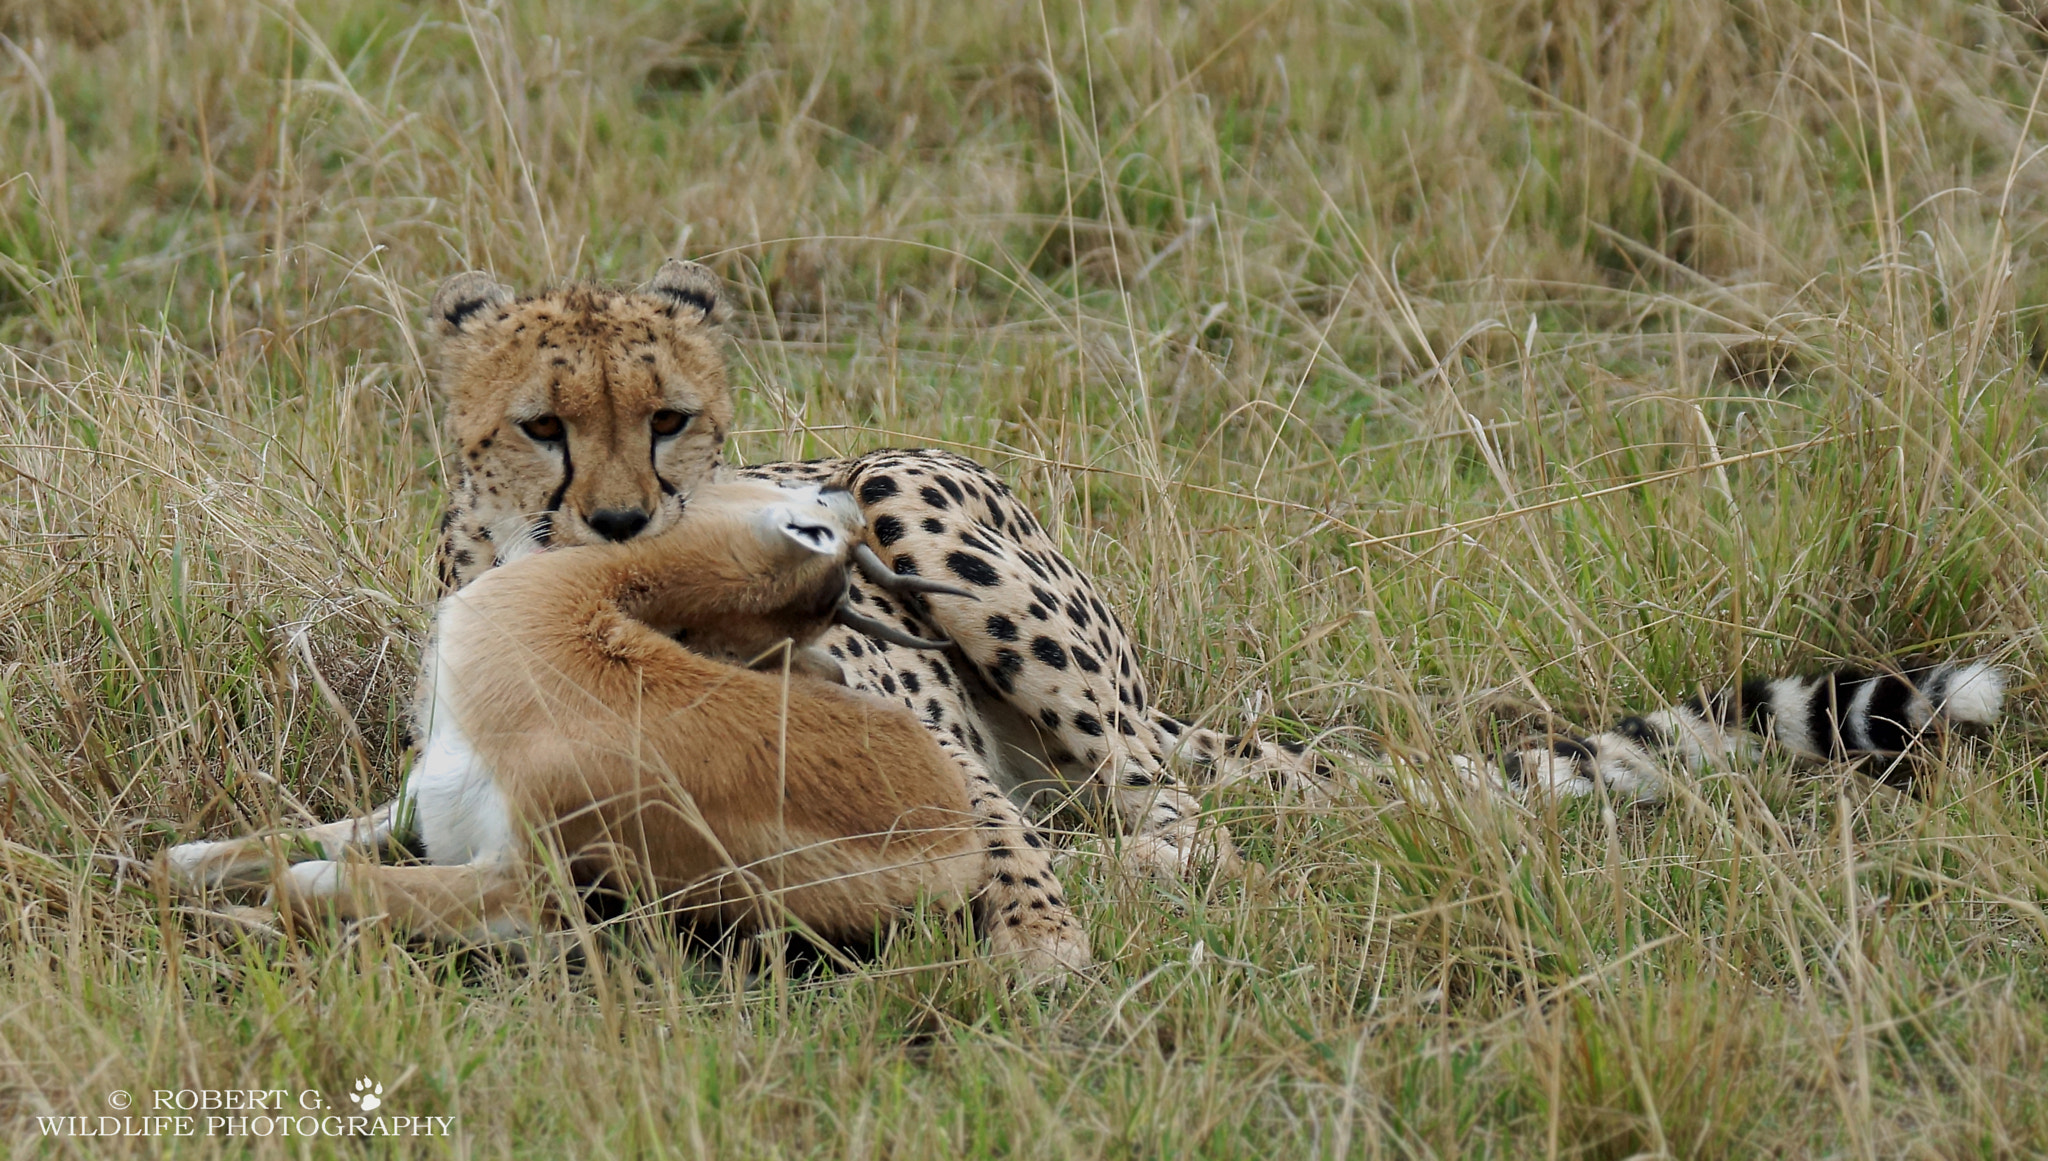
(1041, 641)
(1019, 905)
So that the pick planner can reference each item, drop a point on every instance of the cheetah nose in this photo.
(617, 523)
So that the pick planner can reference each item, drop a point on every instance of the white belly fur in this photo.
(457, 806)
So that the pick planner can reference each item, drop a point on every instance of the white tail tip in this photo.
(1974, 694)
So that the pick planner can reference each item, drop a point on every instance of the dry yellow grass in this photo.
(1378, 357)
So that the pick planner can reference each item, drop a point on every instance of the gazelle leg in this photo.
(248, 862)
(470, 903)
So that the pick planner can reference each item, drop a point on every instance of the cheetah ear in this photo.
(463, 300)
(686, 286)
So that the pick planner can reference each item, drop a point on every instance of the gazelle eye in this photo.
(666, 422)
(545, 429)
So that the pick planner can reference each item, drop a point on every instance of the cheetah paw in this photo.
(1156, 857)
(1041, 951)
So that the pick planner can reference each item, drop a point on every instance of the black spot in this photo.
(1124, 727)
(883, 606)
(911, 684)
(1087, 724)
(1642, 733)
(1031, 562)
(1085, 659)
(888, 684)
(1173, 726)
(969, 539)
(932, 711)
(853, 646)
(836, 651)
(1078, 612)
(1002, 628)
(877, 489)
(1044, 598)
(972, 569)
(463, 558)
(1574, 749)
(940, 671)
(1037, 612)
(952, 489)
(1050, 717)
(1009, 661)
(934, 525)
(1048, 650)
(933, 497)
(903, 565)
(888, 530)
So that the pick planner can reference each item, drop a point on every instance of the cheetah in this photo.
(587, 415)
(563, 723)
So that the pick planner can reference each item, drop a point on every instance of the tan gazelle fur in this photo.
(561, 721)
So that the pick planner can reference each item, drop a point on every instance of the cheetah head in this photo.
(581, 415)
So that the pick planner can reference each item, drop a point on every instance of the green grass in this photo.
(1377, 358)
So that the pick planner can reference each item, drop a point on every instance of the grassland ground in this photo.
(1379, 358)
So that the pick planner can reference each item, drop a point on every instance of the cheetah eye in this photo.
(545, 429)
(666, 422)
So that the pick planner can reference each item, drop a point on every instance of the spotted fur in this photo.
(1042, 686)
(1846, 714)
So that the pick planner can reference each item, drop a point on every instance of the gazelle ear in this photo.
(687, 287)
(796, 531)
(463, 300)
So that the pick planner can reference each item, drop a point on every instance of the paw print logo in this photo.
(368, 1095)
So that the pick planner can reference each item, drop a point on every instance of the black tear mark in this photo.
(568, 474)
